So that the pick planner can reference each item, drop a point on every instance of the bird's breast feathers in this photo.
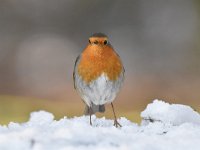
(95, 62)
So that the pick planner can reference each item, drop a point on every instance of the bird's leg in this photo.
(116, 123)
(90, 110)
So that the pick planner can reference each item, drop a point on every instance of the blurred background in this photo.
(158, 41)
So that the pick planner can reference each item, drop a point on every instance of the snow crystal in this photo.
(173, 127)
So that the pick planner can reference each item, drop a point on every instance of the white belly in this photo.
(99, 91)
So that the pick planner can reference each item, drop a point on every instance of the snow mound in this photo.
(175, 114)
(43, 132)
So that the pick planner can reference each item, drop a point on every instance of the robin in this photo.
(98, 75)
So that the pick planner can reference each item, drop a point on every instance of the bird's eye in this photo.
(95, 42)
(105, 42)
(89, 41)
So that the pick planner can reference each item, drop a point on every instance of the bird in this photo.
(98, 75)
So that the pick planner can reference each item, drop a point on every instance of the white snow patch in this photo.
(178, 129)
(175, 114)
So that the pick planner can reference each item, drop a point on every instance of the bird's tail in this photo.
(94, 108)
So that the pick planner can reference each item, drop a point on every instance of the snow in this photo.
(175, 114)
(164, 127)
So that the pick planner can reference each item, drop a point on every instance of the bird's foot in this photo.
(116, 124)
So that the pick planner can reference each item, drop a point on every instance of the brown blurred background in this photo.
(158, 41)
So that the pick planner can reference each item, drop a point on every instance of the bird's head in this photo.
(99, 39)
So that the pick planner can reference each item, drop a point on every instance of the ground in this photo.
(164, 127)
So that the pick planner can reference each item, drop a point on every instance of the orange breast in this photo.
(96, 60)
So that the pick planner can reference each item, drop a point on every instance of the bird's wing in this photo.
(75, 68)
(122, 66)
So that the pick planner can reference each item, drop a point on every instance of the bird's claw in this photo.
(116, 124)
